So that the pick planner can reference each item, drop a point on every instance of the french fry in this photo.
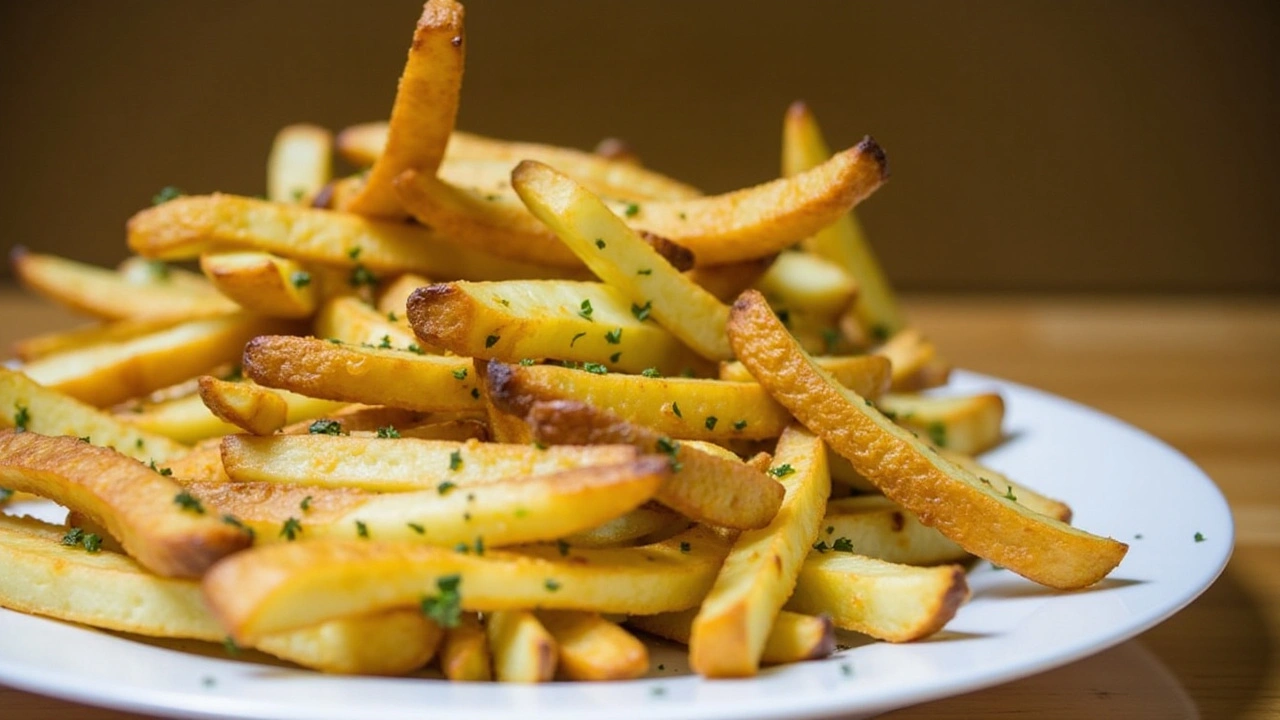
(52, 343)
(283, 586)
(424, 111)
(352, 321)
(319, 368)
(729, 632)
(867, 375)
(843, 242)
(109, 295)
(395, 642)
(49, 412)
(645, 521)
(911, 353)
(361, 144)
(727, 281)
(793, 638)
(897, 603)
(149, 514)
(464, 654)
(522, 649)
(616, 254)
(244, 405)
(932, 373)
(404, 466)
(1006, 487)
(109, 373)
(877, 527)
(805, 282)
(187, 418)
(942, 494)
(393, 297)
(967, 424)
(457, 430)
(592, 648)
(262, 283)
(299, 164)
(561, 319)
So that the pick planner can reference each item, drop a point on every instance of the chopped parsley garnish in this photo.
(586, 310)
(229, 646)
(685, 547)
(614, 336)
(305, 505)
(615, 357)
(354, 253)
(447, 486)
(575, 338)
(445, 607)
(632, 210)
(551, 585)
(880, 332)
(385, 343)
(1008, 494)
(92, 543)
(234, 522)
(527, 362)
(642, 311)
(711, 422)
(490, 341)
(300, 279)
(938, 433)
(782, 470)
(167, 193)
(842, 544)
(821, 546)
(325, 427)
(670, 448)
(479, 545)
(600, 243)
(166, 472)
(391, 316)
(645, 271)
(188, 502)
(417, 528)
(784, 316)
(475, 393)
(415, 348)
(291, 529)
(455, 460)
(362, 530)
(361, 276)
(21, 417)
(651, 372)
(595, 368)
(1199, 537)
(74, 536)
(460, 373)
(740, 425)
(5, 494)
(830, 336)
(388, 433)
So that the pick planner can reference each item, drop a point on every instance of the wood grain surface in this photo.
(1202, 374)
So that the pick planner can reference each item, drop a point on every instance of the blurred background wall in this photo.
(1083, 146)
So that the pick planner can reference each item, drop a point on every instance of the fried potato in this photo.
(149, 514)
(262, 283)
(393, 296)
(408, 465)
(337, 371)
(592, 648)
(300, 163)
(867, 375)
(244, 405)
(727, 281)
(282, 586)
(188, 226)
(933, 373)
(793, 638)
(350, 320)
(424, 111)
(522, 649)
(967, 424)
(805, 282)
(109, 295)
(1006, 487)
(649, 520)
(49, 412)
(877, 527)
(729, 632)
(52, 343)
(394, 642)
(942, 494)
(618, 256)
(361, 144)
(464, 654)
(561, 319)
(911, 355)
(842, 242)
(187, 418)
(898, 603)
(110, 373)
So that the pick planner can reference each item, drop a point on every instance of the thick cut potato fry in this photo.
(842, 242)
(879, 528)
(350, 320)
(968, 424)
(188, 226)
(247, 406)
(942, 494)
(424, 111)
(283, 586)
(730, 631)
(592, 648)
(40, 574)
(898, 603)
(262, 283)
(187, 419)
(728, 281)
(650, 520)
(336, 371)
(49, 412)
(522, 649)
(361, 144)
(148, 513)
(561, 319)
(793, 638)
(867, 375)
(489, 178)
(300, 163)
(933, 373)
(381, 466)
(911, 354)
(464, 654)
(504, 512)
(393, 297)
(1004, 486)
(616, 254)
(805, 282)
(109, 295)
(38, 346)
(110, 373)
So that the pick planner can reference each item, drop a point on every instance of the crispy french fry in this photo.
(38, 346)
(464, 654)
(109, 373)
(277, 587)
(110, 295)
(352, 321)
(967, 424)
(616, 254)
(794, 637)
(1005, 487)
(805, 282)
(561, 319)
(49, 412)
(867, 375)
(424, 111)
(898, 603)
(337, 371)
(942, 494)
(361, 144)
(592, 648)
(730, 631)
(187, 419)
(299, 164)
(249, 407)
(262, 283)
(523, 651)
(877, 527)
(149, 514)
(405, 466)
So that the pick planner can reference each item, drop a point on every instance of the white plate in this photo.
(1120, 481)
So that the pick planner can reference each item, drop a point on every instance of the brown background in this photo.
(1127, 146)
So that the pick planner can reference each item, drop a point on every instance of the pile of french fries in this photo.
(498, 407)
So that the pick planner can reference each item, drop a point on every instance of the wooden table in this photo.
(1202, 374)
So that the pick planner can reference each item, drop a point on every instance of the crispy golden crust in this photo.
(135, 504)
(943, 495)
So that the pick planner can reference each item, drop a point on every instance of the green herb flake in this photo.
(21, 417)
(740, 425)
(362, 530)
(685, 547)
(938, 434)
(491, 341)
(391, 316)
(360, 277)
(651, 372)
(632, 210)
(234, 522)
(671, 449)
(641, 312)
(73, 537)
(385, 343)
(830, 336)
(188, 502)
(528, 362)
(595, 368)
(92, 543)
(586, 310)
(842, 544)
(645, 271)
(229, 646)
(354, 253)
(305, 505)
(551, 585)
(325, 427)
(1199, 537)
(600, 243)
(475, 393)
(291, 529)
(615, 357)
(416, 349)
(5, 494)
(445, 607)
(880, 332)
(1008, 494)
(417, 528)
(167, 193)
(300, 279)
(388, 433)
(614, 336)
(782, 470)
(711, 421)
(821, 546)
(460, 373)
(575, 338)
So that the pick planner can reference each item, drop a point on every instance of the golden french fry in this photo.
(934, 372)
(592, 648)
(280, 586)
(940, 493)
(867, 375)
(1004, 486)
(645, 521)
(52, 343)
(967, 424)
(162, 526)
(187, 419)
(244, 405)
(424, 111)
(730, 631)
(464, 655)
(262, 283)
(299, 164)
(793, 638)
(877, 527)
(523, 651)
(807, 283)
(911, 354)
(352, 321)
(394, 642)
(361, 144)
(393, 297)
